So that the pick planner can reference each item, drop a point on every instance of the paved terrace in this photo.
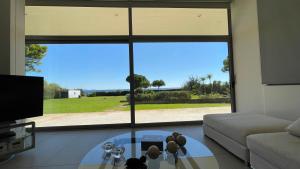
(114, 117)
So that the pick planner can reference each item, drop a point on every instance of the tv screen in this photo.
(20, 97)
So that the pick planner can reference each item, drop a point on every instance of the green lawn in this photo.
(84, 104)
(109, 103)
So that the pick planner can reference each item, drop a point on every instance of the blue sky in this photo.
(106, 66)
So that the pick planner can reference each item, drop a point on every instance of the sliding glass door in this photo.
(85, 84)
(181, 74)
(181, 81)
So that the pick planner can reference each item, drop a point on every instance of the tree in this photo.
(193, 85)
(140, 81)
(34, 53)
(216, 87)
(54, 91)
(158, 83)
(209, 76)
(202, 79)
(226, 88)
(225, 65)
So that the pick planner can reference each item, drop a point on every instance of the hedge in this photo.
(112, 93)
(165, 96)
(191, 101)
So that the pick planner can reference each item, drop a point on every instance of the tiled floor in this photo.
(64, 150)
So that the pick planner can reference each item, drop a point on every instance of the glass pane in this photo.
(181, 81)
(179, 21)
(75, 21)
(85, 84)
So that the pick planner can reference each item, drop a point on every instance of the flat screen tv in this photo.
(20, 97)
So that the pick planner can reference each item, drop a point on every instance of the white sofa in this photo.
(274, 151)
(231, 130)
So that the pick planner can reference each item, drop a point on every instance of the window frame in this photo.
(130, 40)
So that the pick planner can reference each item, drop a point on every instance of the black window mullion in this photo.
(231, 63)
(131, 65)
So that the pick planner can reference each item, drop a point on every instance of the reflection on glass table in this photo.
(194, 154)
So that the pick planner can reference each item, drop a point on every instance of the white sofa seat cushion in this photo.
(238, 126)
(294, 128)
(279, 149)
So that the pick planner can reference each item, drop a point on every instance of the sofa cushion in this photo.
(279, 149)
(294, 128)
(238, 126)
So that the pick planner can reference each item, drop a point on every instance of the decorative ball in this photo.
(172, 147)
(143, 159)
(181, 140)
(153, 152)
(136, 163)
(170, 138)
(175, 134)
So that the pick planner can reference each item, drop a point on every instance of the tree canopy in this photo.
(54, 91)
(209, 76)
(140, 81)
(197, 86)
(225, 65)
(158, 83)
(192, 84)
(202, 79)
(34, 53)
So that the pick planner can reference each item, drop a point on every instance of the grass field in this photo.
(109, 103)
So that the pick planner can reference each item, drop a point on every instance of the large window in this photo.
(183, 81)
(85, 84)
(161, 65)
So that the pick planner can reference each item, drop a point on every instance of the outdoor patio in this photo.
(115, 117)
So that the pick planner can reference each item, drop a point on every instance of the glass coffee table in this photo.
(194, 155)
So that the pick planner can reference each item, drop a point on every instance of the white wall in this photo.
(252, 96)
(12, 37)
(249, 91)
(74, 94)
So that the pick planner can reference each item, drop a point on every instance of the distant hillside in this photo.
(90, 91)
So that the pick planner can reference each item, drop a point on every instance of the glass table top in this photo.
(194, 154)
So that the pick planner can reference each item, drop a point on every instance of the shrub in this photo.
(92, 95)
(161, 96)
(138, 90)
(211, 96)
(54, 91)
(108, 93)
